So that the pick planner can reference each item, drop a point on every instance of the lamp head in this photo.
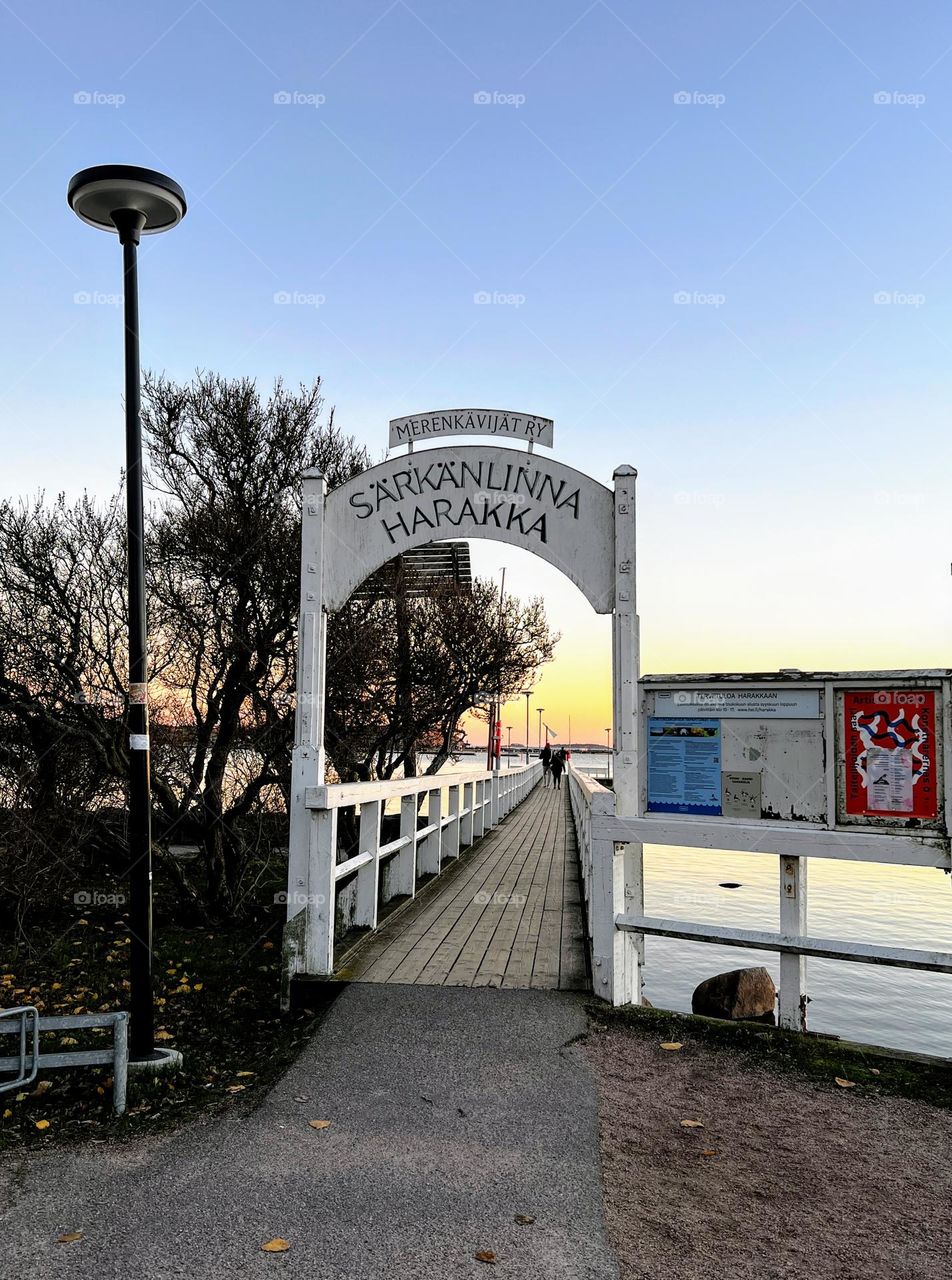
(126, 199)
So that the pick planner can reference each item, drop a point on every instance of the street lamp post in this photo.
(540, 710)
(527, 693)
(131, 202)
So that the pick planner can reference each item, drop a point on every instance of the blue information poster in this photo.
(684, 766)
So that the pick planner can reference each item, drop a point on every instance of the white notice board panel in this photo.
(740, 704)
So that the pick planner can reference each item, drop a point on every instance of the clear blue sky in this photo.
(791, 433)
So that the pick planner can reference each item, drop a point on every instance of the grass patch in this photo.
(872, 1070)
(217, 994)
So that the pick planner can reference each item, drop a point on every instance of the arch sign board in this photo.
(502, 423)
(452, 492)
(471, 492)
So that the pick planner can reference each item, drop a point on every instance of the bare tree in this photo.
(225, 548)
(223, 535)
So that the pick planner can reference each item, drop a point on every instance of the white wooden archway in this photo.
(583, 528)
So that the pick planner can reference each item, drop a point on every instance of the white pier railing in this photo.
(436, 816)
(602, 835)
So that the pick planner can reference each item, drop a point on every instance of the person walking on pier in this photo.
(545, 755)
(557, 765)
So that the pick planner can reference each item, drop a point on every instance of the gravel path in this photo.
(808, 1180)
(452, 1111)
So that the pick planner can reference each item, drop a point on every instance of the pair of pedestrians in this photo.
(554, 763)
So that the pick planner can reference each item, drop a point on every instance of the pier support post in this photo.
(793, 923)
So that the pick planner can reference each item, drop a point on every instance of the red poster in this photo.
(890, 753)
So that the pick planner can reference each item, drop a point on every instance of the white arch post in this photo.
(628, 894)
(312, 850)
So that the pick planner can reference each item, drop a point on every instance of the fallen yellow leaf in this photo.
(68, 1237)
(244, 1073)
(42, 1124)
(20, 1097)
(692, 1124)
(485, 1255)
(198, 986)
(56, 986)
(267, 946)
(277, 1245)
(672, 1044)
(163, 1035)
(319, 1124)
(7, 1114)
(845, 1084)
(235, 1088)
(709, 1152)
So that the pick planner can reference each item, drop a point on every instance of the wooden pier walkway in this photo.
(507, 913)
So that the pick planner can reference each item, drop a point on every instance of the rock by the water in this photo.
(739, 994)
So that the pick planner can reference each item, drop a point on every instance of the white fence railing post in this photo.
(429, 861)
(479, 808)
(793, 924)
(368, 876)
(404, 874)
(466, 822)
(452, 830)
(320, 895)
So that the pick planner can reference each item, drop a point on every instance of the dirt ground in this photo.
(809, 1179)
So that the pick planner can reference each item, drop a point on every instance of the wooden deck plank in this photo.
(493, 964)
(507, 913)
(516, 966)
(421, 928)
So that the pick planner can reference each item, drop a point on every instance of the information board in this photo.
(684, 766)
(840, 751)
